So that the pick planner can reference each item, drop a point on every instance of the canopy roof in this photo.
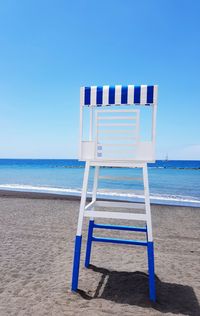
(118, 95)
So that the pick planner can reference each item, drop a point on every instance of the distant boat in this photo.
(166, 157)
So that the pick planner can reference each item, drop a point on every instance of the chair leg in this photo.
(150, 250)
(77, 250)
(91, 222)
(152, 290)
(76, 264)
(89, 243)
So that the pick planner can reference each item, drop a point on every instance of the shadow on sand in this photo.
(132, 288)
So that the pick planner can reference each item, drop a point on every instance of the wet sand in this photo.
(37, 239)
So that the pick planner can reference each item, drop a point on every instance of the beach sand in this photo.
(37, 239)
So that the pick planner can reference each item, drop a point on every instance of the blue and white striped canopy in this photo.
(118, 95)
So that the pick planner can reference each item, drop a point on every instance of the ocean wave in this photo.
(127, 195)
(32, 188)
(153, 197)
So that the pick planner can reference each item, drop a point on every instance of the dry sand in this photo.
(36, 254)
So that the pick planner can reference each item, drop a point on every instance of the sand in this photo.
(37, 238)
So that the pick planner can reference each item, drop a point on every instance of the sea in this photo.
(172, 182)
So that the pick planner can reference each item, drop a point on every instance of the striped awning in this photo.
(118, 95)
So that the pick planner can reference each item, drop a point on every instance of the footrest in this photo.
(118, 204)
(120, 241)
(117, 215)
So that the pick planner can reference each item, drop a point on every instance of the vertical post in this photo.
(83, 198)
(154, 114)
(151, 269)
(91, 124)
(77, 250)
(91, 222)
(150, 249)
(81, 132)
(82, 99)
(76, 262)
(96, 177)
(146, 233)
(147, 202)
(96, 135)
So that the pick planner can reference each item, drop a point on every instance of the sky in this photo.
(49, 48)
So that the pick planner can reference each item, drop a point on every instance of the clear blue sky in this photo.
(48, 49)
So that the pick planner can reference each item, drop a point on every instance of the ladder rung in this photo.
(116, 124)
(117, 111)
(120, 227)
(120, 241)
(115, 131)
(116, 215)
(118, 163)
(121, 178)
(116, 137)
(113, 151)
(139, 206)
(116, 144)
(116, 118)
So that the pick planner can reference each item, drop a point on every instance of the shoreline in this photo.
(59, 196)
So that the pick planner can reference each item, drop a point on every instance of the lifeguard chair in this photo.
(114, 140)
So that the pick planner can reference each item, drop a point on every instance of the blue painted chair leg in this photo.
(89, 243)
(146, 233)
(76, 264)
(152, 290)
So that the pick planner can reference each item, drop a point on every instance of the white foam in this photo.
(173, 199)
(32, 188)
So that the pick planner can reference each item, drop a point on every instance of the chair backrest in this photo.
(114, 134)
(117, 134)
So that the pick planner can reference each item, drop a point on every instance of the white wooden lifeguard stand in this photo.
(114, 141)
